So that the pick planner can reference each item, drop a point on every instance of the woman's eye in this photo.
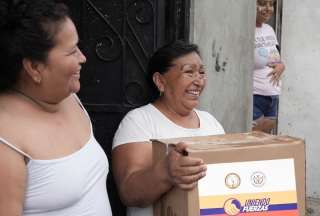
(189, 72)
(262, 3)
(72, 52)
(202, 71)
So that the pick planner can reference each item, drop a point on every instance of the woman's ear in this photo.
(159, 81)
(32, 69)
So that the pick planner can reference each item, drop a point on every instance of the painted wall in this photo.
(299, 113)
(224, 31)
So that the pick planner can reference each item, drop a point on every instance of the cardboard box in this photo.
(252, 174)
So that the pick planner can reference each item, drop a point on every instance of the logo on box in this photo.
(258, 179)
(232, 207)
(232, 180)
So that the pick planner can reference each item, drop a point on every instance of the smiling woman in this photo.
(45, 133)
(178, 77)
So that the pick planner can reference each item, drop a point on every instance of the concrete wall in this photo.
(299, 113)
(224, 30)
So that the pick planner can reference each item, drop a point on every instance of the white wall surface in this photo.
(299, 113)
(224, 31)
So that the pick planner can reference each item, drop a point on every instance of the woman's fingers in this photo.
(180, 152)
(189, 161)
(276, 73)
(185, 171)
(181, 147)
(275, 77)
(185, 165)
(187, 186)
(190, 178)
(189, 182)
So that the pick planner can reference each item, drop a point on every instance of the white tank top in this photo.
(74, 185)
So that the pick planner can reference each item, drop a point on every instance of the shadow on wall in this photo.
(220, 65)
(313, 207)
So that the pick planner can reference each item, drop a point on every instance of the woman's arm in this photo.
(12, 181)
(141, 183)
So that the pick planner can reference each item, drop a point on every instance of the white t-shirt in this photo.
(265, 53)
(147, 122)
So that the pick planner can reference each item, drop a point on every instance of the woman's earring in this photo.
(160, 93)
(37, 80)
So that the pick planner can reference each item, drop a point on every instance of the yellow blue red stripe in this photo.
(279, 197)
(272, 213)
(268, 204)
(274, 209)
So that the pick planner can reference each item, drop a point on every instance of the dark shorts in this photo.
(266, 106)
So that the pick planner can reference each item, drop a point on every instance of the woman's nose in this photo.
(199, 80)
(82, 57)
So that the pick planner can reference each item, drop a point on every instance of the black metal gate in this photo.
(118, 37)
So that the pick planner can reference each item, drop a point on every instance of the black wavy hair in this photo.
(162, 60)
(27, 30)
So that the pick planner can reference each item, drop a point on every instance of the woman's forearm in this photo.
(143, 187)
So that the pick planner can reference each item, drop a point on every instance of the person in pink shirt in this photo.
(268, 69)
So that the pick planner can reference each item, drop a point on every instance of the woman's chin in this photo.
(191, 104)
(75, 88)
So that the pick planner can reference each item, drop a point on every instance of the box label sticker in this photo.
(256, 188)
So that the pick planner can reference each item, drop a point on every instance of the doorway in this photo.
(118, 37)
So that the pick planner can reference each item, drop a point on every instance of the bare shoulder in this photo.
(9, 129)
(13, 118)
(7, 115)
(43, 134)
(19, 121)
(12, 163)
(10, 160)
(12, 181)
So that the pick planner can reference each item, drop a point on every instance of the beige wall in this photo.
(299, 113)
(224, 30)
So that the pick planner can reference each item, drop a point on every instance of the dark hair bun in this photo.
(4, 13)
